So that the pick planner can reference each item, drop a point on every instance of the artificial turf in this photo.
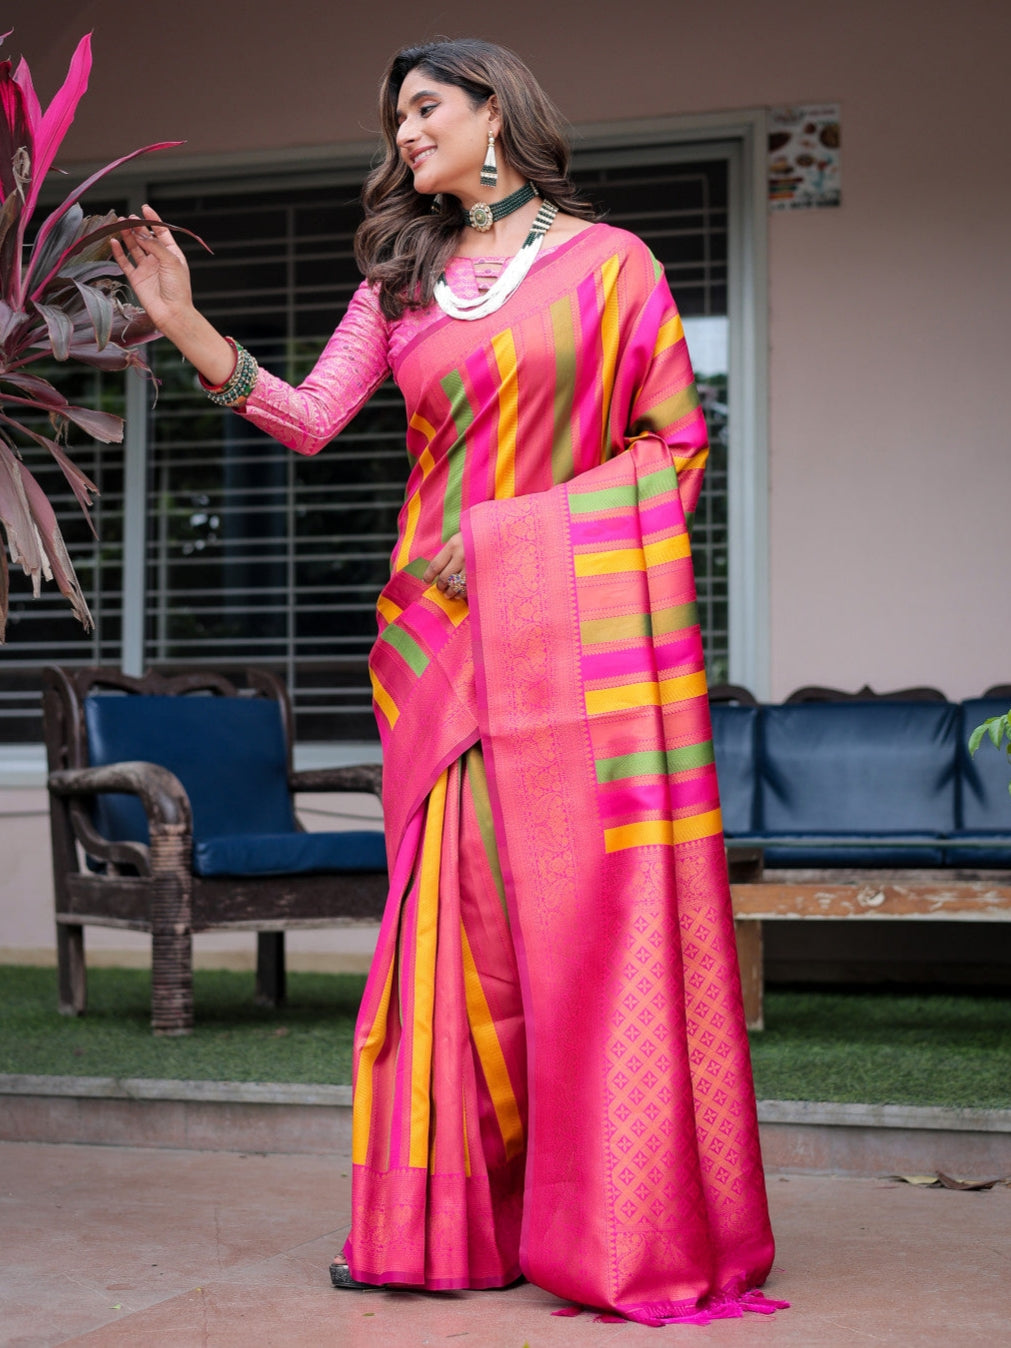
(862, 1047)
(233, 1040)
(885, 1048)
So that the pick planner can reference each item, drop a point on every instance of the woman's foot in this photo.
(340, 1276)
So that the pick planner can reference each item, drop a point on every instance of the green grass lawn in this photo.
(869, 1047)
(233, 1040)
(885, 1048)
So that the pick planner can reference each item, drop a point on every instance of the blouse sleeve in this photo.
(354, 363)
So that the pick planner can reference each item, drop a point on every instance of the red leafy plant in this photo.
(62, 298)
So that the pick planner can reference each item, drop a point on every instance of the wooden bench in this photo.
(837, 895)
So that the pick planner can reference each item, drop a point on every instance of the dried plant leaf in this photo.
(938, 1180)
(16, 133)
(137, 326)
(946, 1182)
(57, 565)
(8, 234)
(81, 485)
(23, 542)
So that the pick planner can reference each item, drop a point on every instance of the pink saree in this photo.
(551, 1072)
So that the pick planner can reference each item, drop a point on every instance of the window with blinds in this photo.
(255, 555)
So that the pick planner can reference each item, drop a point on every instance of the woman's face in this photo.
(442, 138)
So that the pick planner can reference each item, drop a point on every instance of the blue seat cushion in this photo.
(290, 853)
(228, 752)
(984, 803)
(848, 768)
(907, 849)
(735, 748)
(986, 847)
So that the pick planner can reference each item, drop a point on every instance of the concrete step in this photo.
(797, 1135)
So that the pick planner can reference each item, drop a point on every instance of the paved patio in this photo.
(134, 1246)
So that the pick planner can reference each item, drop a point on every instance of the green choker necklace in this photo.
(482, 216)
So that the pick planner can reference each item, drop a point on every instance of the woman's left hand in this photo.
(446, 569)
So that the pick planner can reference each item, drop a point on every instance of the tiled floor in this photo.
(125, 1246)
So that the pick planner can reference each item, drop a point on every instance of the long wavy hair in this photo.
(402, 245)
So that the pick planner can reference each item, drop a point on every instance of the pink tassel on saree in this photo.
(551, 1070)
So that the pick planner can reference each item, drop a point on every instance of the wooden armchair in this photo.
(171, 805)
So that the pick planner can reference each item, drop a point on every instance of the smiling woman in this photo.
(438, 103)
(551, 1071)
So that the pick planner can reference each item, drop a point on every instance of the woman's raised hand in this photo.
(154, 264)
(156, 269)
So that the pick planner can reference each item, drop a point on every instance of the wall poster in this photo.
(804, 157)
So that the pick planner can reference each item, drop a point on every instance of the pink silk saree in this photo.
(551, 1068)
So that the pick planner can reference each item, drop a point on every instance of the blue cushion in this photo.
(290, 853)
(984, 802)
(987, 847)
(228, 752)
(858, 767)
(915, 850)
(735, 746)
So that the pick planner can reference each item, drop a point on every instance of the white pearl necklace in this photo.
(512, 274)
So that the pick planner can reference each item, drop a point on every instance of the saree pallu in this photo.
(631, 1178)
(644, 1189)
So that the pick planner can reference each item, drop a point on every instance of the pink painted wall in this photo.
(889, 339)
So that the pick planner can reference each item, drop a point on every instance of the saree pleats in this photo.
(439, 1134)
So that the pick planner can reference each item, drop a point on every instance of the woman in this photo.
(551, 1069)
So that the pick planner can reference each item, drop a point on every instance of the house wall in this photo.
(888, 336)
(889, 343)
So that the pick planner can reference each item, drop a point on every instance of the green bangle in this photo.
(240, 383)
